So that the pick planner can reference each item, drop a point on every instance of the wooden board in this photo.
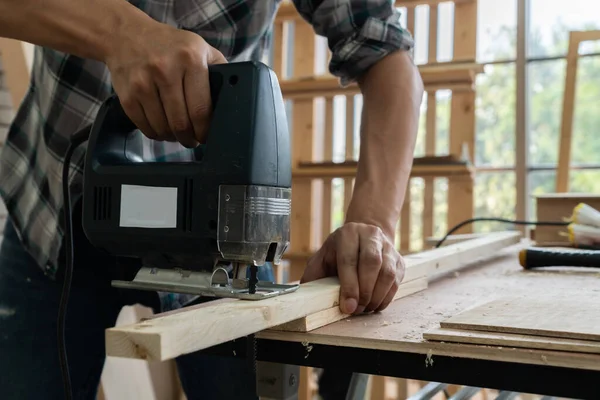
(401, 327)
(455, 258)
(169, 336)
(512, 340)
(334, 314)
(552, 315)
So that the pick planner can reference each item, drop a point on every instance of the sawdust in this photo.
(308, 348)
(429, 359)
(6, 312)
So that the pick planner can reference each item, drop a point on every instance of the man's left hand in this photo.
(366, 262)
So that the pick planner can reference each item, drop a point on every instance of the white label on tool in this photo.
(148, 207)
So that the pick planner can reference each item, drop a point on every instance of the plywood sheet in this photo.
(576, 317)
(512, 340)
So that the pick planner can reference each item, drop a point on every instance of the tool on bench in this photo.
(197, 225)
(584, 235)
(533, 258)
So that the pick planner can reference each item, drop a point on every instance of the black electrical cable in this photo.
(508, 221)
(78, 138)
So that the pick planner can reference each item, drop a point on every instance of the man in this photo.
(155, 55)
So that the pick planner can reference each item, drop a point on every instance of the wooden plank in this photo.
(349, 170)
(462, 136)
(571, 317)
(566, 128)
(328, 155)
(444, 74)
(334, 314)
(429, 189)
(279, 58)
(465, 31)
(349, 156)
(522, 111)
(168, 336)
(303, 202)
(512, 340)
(287, 11)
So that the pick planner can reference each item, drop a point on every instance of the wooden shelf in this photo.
(454, 76)
(444, 166)
(287, 11)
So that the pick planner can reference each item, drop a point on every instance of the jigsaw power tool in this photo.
(200, 226)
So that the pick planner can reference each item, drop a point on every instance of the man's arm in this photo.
(83, 28)
(160, 73)
(392, 92)
(369, 46)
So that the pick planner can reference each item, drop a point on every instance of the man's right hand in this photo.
(161, 78)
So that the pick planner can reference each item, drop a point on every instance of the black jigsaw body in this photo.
(192, 223)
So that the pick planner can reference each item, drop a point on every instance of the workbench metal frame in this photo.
(518, 377)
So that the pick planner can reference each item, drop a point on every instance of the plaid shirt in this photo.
(66, 92)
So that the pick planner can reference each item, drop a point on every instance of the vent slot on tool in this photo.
(188, 195)
(102, 203)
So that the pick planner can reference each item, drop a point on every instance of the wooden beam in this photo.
(455, 76)
(566, 129)
(191, 329)
(287, 11)
(348, 170)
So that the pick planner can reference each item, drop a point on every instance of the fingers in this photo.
(370, 261)
(198, 101)
(198, 96)
(155, 114)
(177, 115)
(385, 280)
(347, 245)
(135, 112)
(389, 297)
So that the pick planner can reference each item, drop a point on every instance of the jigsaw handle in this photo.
(113, 137)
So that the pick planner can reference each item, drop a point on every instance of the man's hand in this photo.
(161, 78)
(367, 264)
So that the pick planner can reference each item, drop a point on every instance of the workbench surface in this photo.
(391, 343)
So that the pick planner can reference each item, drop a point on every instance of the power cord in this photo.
(78, 138)
(508, 221)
